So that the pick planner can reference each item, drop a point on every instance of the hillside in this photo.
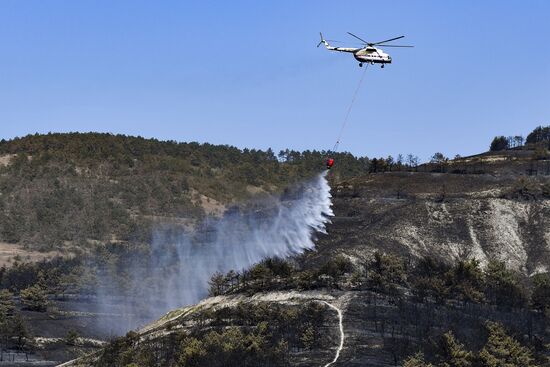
(74, 190)
(417, 257)
(439, 263)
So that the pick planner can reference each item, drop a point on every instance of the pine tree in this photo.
(499, 143)
(34, 298)
(453, 353)
(308, 337)
(19, 331)
(7, 306)
(416, 361)
(540, 299)
(502, 286)
(501, 350)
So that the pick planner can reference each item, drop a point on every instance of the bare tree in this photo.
(518, 140)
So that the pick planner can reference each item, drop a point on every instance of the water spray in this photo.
(179, 266)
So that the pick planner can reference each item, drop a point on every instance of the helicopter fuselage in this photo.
(372, 55)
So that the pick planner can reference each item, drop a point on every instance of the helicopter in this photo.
(368, 53)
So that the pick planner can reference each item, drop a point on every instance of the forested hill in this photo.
(76, 188)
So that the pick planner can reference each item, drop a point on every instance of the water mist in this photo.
(178, 267)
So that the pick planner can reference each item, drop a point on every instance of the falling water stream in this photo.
(179, 266)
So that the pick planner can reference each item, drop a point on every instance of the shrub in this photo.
(499, 143)
(34, 298)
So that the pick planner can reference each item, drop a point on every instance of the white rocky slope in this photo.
(414, 218)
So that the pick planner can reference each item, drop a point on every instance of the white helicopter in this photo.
(368, 53)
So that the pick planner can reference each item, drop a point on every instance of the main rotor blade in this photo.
(359, 38)
(346, 42)
(391, 39)
(393, 46)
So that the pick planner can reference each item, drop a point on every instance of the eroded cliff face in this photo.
(445, 216)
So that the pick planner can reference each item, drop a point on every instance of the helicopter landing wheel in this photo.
(360, 64)
(382, 66)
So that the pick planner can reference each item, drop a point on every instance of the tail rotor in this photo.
(322, 40)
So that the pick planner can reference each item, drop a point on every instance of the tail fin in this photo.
(322, 41)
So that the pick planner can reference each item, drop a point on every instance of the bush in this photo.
(503, 350)
(385, 272)
(540, 298)
(7, 306)
(539, 135)
(72, 337)
(526, 189)
(466, 281)
(34, 298)
(336, 266)
(499, 143)
(502, 286)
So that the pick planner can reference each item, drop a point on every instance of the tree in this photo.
(34, 298)
(216, 284)
(412, 160)
(261, 276)
(499, 143)
(438, 158)
(399, 161)
(501, 350)
(466, 281)
(538, 135)
(378, 165)
(390, 162)
(7, 306)
(453, 353)
(518, 140)
(308, 337)
(19, 331)
(502, 286)
(416, 361)
(386, 272)
(540, 298)
(192, 352)
(72, 337)
(429, 279)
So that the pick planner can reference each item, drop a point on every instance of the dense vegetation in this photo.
(14, 332)
(500, 349)
(426, 280)
(36, 285)
(73, 189)
(539, 137)
(471, 294)
(258, 334)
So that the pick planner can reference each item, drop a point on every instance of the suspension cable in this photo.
(346, 117)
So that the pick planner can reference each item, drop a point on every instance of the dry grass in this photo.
(210, 206)
(9, 252)
(6, 159)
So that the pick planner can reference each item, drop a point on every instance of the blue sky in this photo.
(247, 73)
